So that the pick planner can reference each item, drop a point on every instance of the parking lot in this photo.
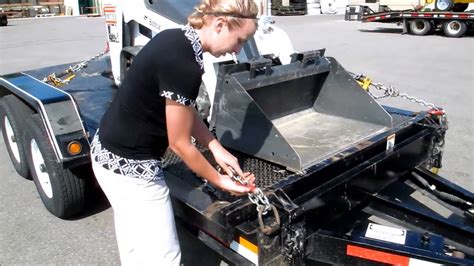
(434, 68)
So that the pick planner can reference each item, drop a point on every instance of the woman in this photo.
(153, 110)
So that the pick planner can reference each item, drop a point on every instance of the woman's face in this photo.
(226, 40)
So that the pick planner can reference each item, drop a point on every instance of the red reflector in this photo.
(436, 112)
(375, 255)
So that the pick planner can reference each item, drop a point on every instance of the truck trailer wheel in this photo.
(454, 28)
(13, 113)
(61, 191)
(420, 27)
(444, 5)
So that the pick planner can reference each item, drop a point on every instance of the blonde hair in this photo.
(234, 10)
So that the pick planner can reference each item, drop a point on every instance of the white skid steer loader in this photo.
(131, 24)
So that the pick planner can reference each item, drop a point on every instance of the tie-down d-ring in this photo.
(275, 225)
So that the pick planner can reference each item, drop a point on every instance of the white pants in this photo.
(144, 221)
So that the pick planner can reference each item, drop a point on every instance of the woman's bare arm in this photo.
(180, 123)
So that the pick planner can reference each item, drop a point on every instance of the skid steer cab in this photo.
(131, 24)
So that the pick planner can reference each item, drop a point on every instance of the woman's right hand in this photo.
(226, 183)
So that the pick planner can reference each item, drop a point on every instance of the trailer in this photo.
(337, 171)
(452, 24)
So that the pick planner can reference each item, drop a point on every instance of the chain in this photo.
(390, 91)
(55, 79)
(263, 204)
(293, 244)
(256, 197)
(81, 65)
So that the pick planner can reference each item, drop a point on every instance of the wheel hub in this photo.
(454, 26)
(40, 169)
(442, 4)
(11, 139)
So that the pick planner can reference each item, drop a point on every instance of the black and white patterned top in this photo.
(145, 169)
(193, 37)
(133, 134)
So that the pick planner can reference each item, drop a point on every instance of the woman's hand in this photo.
(230, 165)
(226, 183)
(226, 160)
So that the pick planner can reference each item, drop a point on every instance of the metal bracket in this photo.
(259, 64)
(309, 57)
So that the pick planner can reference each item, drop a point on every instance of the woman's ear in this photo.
(220, 23)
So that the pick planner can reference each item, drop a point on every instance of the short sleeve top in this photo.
(168, 66)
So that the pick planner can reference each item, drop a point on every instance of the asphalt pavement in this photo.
(433, 68)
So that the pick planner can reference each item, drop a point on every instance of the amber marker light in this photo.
(74, 147)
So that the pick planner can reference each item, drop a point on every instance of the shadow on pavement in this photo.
(383, 30)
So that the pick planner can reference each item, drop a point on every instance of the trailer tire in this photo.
(420, 27)
(444, 5)
(454, 28)
(13, 113)
(60, 190)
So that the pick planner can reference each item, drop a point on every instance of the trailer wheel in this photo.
(60, 190)
(13, 113)
(444, 5)
(454, 28)
(420, 27)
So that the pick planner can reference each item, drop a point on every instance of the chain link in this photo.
(55, 79)
(263, 204)
(257, 197)
(390, 91)
(81, 65)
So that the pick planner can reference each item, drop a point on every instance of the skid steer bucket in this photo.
(294, 115)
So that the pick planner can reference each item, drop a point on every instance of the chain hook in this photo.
(55, 79)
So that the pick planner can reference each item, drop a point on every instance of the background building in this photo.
(39, 8)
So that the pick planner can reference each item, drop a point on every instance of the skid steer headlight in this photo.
(74, 147)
